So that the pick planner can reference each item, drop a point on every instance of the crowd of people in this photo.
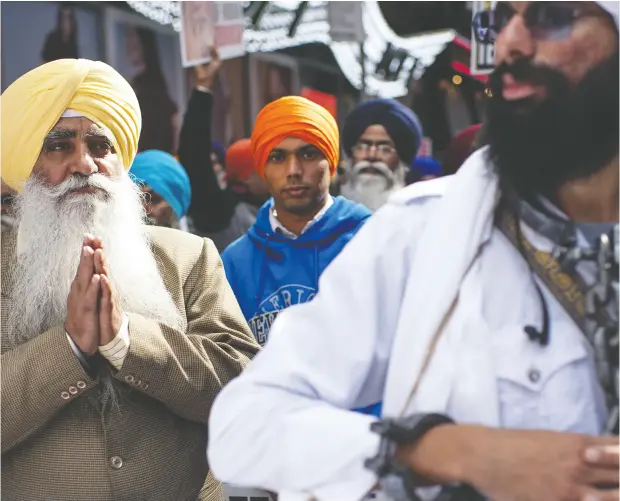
(274, 316)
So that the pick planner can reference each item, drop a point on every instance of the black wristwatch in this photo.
(396, 479)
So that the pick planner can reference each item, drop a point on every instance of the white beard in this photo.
(373, 189)
(52, 222)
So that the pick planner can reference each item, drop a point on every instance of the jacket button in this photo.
(129, 379)
(64, 395)
(72, 390)
(116, 462)
(81, 385)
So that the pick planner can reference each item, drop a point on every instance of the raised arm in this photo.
(211, 207)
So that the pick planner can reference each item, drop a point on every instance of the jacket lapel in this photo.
(8, 261)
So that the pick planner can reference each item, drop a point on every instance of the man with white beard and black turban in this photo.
(116, 337)
(381, 138)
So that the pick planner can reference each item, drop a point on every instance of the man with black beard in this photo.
(481, 308)
(381, 138)
(116, 336)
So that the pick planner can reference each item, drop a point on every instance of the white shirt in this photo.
(339, 351)
(278, 227)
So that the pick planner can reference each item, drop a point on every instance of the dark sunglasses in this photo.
(545, 20)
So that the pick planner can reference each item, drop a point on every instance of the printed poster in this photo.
(482, 54)
(208, 24)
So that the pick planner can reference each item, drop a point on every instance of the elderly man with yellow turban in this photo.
(301, 229)
(116, 336)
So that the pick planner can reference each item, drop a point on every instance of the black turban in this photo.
(401, 124)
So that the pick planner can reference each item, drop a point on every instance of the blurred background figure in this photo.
(229, 194)
(159, 111)
(278, 83)
(425, 169)
(381, 138)
(243, 180)
(62, 42)
(461, 146)
(166, 187)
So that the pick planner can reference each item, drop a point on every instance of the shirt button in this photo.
(81, 385)
(116, 462)
(129, 379)
(72, 390)
(533, 375)
(65, 395)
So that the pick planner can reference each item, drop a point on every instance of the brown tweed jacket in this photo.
(56, 443)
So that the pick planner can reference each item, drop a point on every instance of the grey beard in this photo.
(372, 189)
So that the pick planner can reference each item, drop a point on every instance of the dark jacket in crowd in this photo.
(215, 213)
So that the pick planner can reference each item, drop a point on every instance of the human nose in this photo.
(293, 166)
(514, 42)
(82, 161)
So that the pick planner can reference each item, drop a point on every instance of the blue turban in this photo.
(427, 166)
(161, 172)
(220, 151)
(400, 122)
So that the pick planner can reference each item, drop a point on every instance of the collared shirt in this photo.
(278, 227)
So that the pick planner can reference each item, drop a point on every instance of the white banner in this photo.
(482, 55)
(208, 24)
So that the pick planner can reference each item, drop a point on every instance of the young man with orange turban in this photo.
(299, 231)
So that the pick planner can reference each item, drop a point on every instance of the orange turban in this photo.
(294, 116)
(239, 160)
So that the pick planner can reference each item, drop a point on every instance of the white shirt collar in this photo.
(278, 227)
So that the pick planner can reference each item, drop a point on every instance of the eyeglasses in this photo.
(545, 20)
(382, 149)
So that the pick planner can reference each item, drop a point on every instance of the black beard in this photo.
(536, 145)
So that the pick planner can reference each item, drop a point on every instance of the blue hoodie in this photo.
(269, 272)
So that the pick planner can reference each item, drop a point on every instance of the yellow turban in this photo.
(294, 116)
(34, 103)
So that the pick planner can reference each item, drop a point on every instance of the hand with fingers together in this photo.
(94, 317)
(82, 322)
(110, 314)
